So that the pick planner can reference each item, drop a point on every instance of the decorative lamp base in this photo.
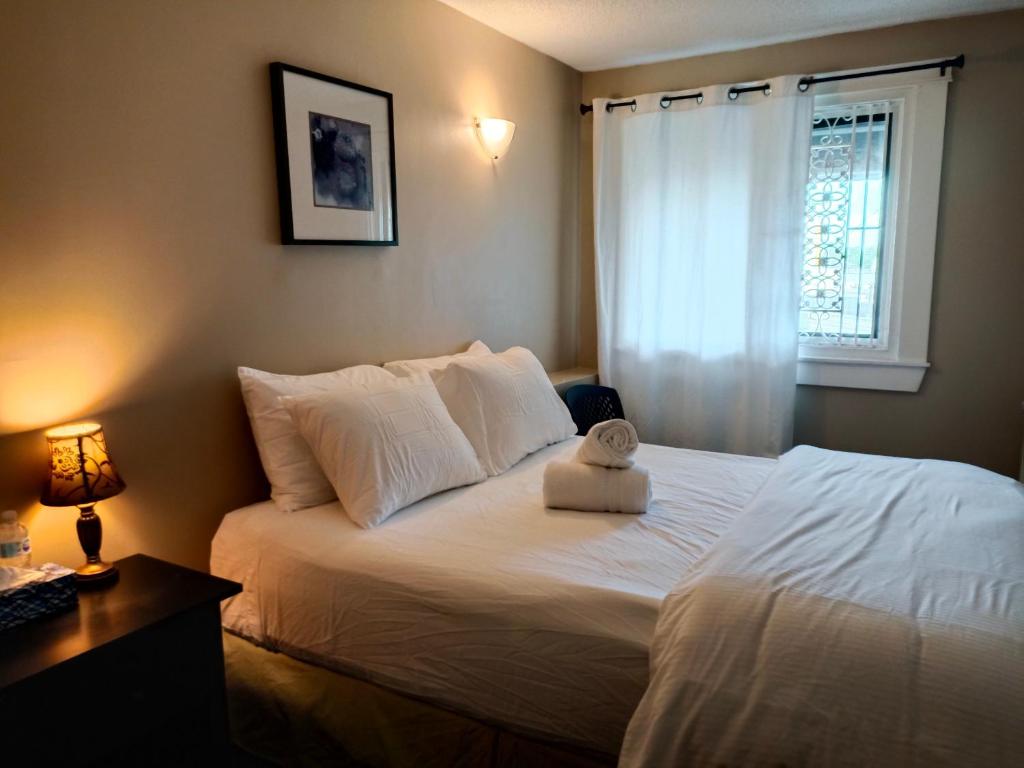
(96, 571)
(100, 572)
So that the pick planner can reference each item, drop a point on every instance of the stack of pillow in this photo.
(380, 438)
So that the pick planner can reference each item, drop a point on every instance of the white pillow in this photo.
(296, 480)
(505, 404)
(385, 446)
(428, 364)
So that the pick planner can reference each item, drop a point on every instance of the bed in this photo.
(480, 600)
(825, 608)
(861, 610)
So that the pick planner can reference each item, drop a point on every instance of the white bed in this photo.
(862, 610)
(481, 600)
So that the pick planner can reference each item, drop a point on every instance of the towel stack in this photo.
(602, 477)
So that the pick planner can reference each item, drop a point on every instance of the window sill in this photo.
(894, 376)
(570, 377)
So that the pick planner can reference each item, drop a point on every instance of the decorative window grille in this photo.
(844, 237)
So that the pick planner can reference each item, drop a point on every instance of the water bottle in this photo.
(15, 548)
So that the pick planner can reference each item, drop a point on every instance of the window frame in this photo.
(899, 364)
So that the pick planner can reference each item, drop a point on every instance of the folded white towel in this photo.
(575, 485)
(610, 443)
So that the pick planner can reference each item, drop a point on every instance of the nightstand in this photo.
(133, 676)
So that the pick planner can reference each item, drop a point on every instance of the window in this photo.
(844, 232)
(869, 232)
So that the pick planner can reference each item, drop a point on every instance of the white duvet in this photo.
(479, 598)
(861, 611)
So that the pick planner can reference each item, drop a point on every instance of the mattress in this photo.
(481, 600)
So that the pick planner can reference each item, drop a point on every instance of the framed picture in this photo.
(335, 146)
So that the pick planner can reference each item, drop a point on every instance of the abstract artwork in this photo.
(341, 154)
(335, 148)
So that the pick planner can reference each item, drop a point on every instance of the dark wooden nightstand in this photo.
(133, 676)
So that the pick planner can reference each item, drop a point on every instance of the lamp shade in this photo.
(495, 135)
(81, 471)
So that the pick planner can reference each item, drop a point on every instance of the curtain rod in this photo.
(803, 85)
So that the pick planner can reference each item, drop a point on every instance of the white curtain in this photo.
(698, 219)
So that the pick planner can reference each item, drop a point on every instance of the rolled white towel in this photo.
(609, 443)
(575, 485)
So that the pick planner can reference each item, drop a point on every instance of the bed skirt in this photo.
(292, 713)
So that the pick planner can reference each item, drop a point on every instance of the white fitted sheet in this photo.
(482, 600)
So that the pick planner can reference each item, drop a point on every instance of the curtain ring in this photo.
(700, 98)
(632, 107)
(665, 103)
(733, 95)
(767, 90)
(803, 85)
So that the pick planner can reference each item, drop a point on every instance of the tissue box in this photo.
(31, 593)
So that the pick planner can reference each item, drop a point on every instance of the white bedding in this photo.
(862, 610)
(481, 600)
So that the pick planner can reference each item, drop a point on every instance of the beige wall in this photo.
(969, 408)
(139, 252)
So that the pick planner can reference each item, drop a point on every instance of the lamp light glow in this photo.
(495, 135)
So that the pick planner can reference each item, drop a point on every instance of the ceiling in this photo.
(600, 34)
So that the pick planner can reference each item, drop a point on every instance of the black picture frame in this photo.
(283, 156)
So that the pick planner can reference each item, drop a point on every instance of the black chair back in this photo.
(590, 404)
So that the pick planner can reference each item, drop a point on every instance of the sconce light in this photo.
(495, 135)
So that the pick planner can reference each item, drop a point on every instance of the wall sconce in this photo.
(495, 135)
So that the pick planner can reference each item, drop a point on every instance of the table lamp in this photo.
(81, 474)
